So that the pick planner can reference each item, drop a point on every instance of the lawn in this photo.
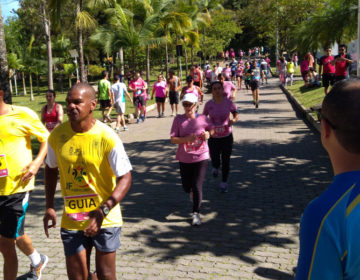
(308, 97)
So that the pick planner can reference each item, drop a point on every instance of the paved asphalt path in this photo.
(251, 232)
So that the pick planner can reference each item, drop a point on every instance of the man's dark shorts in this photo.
(160, 99)
(328, 79)
(107, 240)
(254, 84)
(197, 84)
(104, 104)
(340, 78)
(174, 97)
(139, 100)
(12, 214)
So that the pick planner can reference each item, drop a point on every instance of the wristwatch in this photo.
(105, 210)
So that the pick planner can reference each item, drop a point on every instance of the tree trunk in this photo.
(48, 45)
(192, 55)
(83, 76)
(31, 88)
(70, 85)
(121, 54)
(23, 81)
(148, 65)
(4, 70)
(186, 62)
(10, 84)
(166, 59)
(15, 83)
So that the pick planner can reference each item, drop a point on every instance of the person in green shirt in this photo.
(105, 96)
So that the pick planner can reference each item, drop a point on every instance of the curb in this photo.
(302, 109)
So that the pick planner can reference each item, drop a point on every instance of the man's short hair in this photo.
(343, 46)
(171, 71)
(104, 73)
(341, 110)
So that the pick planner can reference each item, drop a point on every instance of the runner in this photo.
(161, 94)
(229, 88)
(239, 74)
(325, 64)
(214, 74)
(342, 62)
(17, 171)
(290, 69)
(191, 88)
(174, 85)
(191, 132)
(263, 71)
(119, 90)
(52, 114)
(221, 141)
(196, 75)
(282, 70)
(247, 75)
(254, 84)
(138, 86)
(233, 64)
(94, 177)
(105, 97)
(227, 72)
(219, 69)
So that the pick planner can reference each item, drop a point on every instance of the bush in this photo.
(95, 70)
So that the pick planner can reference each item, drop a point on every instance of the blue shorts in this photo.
(74, 241)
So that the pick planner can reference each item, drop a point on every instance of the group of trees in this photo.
(141, 33)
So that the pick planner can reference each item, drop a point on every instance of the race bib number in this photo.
(4, 171)
(138, 92)
(221, 131)
(77, 207)
(195, 146)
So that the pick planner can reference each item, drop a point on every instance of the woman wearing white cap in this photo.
(191, 131)
(219, 109)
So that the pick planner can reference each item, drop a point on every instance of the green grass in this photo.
(308, 97)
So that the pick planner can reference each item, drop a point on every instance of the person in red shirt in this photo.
(342, 61)
(196, 74)
(52, 113)
(327, 68)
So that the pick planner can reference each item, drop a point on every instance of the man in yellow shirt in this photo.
(17, 171)
(94, 177)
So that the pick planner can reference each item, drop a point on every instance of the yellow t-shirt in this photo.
(86, 177)
(16, 129)
(290, 67)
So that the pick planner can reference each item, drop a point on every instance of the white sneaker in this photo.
(196, 219)
(125, 128)
(117, 130)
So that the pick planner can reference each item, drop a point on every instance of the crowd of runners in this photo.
(94, 169)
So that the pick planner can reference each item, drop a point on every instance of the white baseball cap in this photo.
(190, 97)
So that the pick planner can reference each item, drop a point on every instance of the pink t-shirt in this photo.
(228, 88)
(193, 90)
(208, 74)
(160, 89)
(138, 85)
(219, 116)
(227, 72)
(195, 151)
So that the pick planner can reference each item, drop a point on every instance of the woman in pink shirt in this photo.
(191, 88)
(219, 109)
(191, 132)
(52, 113)
(159, 89)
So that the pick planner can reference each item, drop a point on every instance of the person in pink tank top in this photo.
(191, 88)
(52, 114)
(160, 91)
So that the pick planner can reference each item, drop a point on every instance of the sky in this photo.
(7, 6)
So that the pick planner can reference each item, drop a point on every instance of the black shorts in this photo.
(254, 84)
(12, 214)
(139, 100)
(160, 99)
(328, 79)
(239, 76)
(197, 84)
(233, 73)
(340, 78)
(104, 104)
(174, 97)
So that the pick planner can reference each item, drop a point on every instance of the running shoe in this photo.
(137, 120)
(196, 219)
(125, 128)
(117, 130)
(35, 272)
(162, 114)
(215, 172)
(159, 116)
(257, 105)
(142, 118)
(224, 187)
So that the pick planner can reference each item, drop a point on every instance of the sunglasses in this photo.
(187, 104)
(322, 117)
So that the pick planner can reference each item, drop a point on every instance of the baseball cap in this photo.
(190, 97)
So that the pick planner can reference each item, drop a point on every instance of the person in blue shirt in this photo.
(330, 225)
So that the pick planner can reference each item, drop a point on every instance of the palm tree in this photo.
(47, 29)
(4, 71)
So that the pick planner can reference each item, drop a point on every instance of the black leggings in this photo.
(221, 147)
(192, 178)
